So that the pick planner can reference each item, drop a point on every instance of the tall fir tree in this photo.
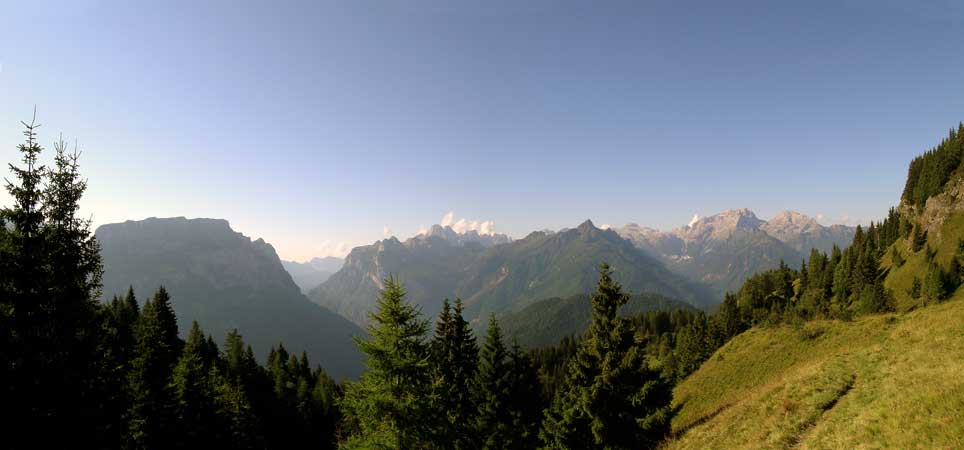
(193, 385)
(455, 356)
(50, 274)
(152, 413)
(612, 400)
(527, 404)
(389, 407)
(493, 391)
(509, 395)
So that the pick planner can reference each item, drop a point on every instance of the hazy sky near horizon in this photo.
(324, 125)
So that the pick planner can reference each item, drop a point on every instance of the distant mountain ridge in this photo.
(724, 249)
(468, 237)
(224, 280)
(309, 274)
(496, 277)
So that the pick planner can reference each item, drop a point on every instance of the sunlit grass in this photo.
(884, 381)
(901, 278)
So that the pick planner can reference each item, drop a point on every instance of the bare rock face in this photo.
(939, 207)
(724, 249)
(804, 233)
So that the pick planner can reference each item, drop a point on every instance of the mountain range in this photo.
(224, 281)
(496, 274)
(312, 273)
(722, 250)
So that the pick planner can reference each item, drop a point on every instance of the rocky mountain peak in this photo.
(586, 227)
(720, 226)
(448, 234)
(791, 222)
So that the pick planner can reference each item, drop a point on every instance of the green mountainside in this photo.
(500, 277)
(546, 322)
(544, 265)
(225, 281)
(429, 266)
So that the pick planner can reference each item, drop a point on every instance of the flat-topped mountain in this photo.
(224, 280)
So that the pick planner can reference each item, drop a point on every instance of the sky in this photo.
(320, 126)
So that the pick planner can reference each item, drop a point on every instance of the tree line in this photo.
(447, 392)
(929, 172)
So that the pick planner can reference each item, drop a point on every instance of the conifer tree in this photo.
(388, 407)
(455, 362)
(896, 258)
(915, 289)
(919, 239)
(237, 417)
(526, 400)
(158, 348)
(193, 385)
(493, 391)
(50, 274)
(612, 399)
(933, 287)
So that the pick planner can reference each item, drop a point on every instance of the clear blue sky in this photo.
(319, 125)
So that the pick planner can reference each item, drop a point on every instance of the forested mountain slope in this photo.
(545, 322)
(225, 281)
(542, 265)
(497, 276)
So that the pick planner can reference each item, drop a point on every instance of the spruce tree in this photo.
(389, 407)
(455, 362)
(50, 274)
(193, 384)
(612, 400)
(525, 391)
(932, 287)
(152, 413)
(237, 417)
(493, 391)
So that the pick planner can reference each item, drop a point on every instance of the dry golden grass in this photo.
(884, 381)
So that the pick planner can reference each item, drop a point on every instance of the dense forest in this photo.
(928, 173)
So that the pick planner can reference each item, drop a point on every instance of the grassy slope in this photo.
(901, 279)
(883, 381)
